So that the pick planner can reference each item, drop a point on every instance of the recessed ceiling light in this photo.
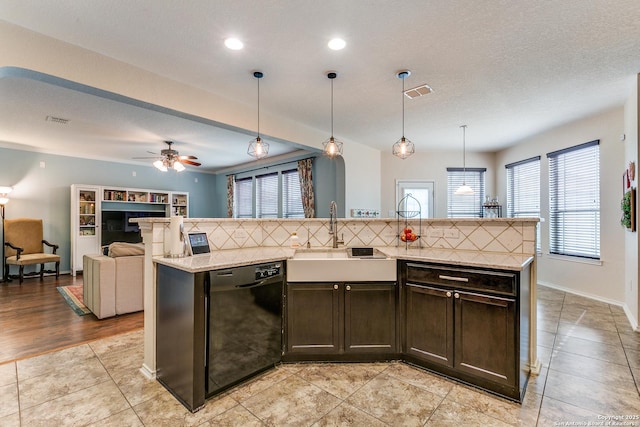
(336, 44)
(233, 43)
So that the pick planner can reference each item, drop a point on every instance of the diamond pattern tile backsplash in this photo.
(515, 236)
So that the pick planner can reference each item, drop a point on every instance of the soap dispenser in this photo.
(294, 241)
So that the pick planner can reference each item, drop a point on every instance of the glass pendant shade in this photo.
(403, 148)
(257, 147)
(332, 147)
(464, 189)
(178, 167)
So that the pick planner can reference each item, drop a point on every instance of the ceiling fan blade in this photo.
(154, 157)
(188, 162)
(188, 157)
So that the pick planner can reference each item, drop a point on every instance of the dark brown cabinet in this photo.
(340, 321)
(468, 323)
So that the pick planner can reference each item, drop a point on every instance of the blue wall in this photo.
(45, 192)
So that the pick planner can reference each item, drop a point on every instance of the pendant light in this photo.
(257, 147)
(403, 148)
(464, 189)
(332, 147)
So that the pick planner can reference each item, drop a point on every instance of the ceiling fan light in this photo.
(178, 167)
(159, 164)
(403, 148)
(464, 190)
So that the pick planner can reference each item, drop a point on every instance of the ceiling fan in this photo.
(170, 158)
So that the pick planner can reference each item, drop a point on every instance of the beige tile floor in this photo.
(591, 368)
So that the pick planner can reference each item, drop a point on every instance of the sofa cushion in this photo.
(119, 249)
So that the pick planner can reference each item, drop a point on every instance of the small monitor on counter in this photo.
(199, 243)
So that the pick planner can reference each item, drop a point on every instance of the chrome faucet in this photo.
(333, 223)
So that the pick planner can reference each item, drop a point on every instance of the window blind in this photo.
(523, 191)
(267, 196)
(523, 188)
(291, 195)
(467, 206)
(574, 201)
(243, 199)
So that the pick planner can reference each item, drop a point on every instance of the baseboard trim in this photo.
(148, 373)
(632, 321)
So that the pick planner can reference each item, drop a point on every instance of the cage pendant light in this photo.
(257, 147)
(403, 148)
(332, 147)
(464, 189)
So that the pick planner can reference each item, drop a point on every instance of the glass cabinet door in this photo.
(87, 213)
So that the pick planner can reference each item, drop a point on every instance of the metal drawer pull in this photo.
(335, 286)
(448, 294)
(456, 295)
(348, 287)
(455, 279)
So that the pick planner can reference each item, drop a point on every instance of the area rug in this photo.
(73, 296)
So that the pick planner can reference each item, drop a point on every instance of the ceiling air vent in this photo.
(58, 120)
(419, 91)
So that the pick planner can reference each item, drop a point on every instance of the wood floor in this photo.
(35, 319)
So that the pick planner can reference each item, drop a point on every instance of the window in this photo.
(459, 206)
(243, 198)
(291, 195)
(276, 195)
(523, 190)
(423, 193)
(267, 196)
(574, 201)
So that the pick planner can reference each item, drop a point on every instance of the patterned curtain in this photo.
(306, 187)
(230, 182)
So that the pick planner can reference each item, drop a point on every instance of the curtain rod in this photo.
(273, 165)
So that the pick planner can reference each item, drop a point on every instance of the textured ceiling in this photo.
(507, 69)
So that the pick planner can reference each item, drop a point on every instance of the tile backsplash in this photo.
(512, 235)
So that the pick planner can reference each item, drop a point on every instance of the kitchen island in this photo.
(515, 254)
(390, 315)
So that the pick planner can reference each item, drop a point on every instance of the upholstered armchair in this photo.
(24, 245)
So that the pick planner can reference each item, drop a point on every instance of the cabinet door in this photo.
(429, 324)
(313, 318)
(370, 318)
(85, 224)
(485, 337)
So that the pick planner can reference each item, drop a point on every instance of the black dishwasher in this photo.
(244, 326)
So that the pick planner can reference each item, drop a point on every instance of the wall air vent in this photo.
(58, 120)
(417, 92)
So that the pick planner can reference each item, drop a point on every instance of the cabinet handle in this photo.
(455, 279)
(456, 295)
(448, 294)
(335, 286)
(348, 287)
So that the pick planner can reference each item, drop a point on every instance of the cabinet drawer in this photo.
(504, 283)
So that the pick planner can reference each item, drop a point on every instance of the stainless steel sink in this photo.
(340, 265)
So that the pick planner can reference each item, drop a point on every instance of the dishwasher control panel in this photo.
(266, 271)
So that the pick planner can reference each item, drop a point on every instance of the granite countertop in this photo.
(218, 260)
(222, 259)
